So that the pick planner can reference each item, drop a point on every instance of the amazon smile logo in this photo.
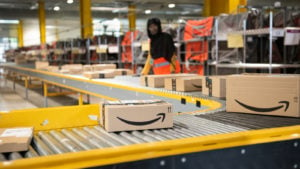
(197, 86)
(270, 109)
(143, 123)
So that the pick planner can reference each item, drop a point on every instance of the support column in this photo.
(131, 17)
(80, 99)
(42, 22)
(56, 31)
(86, 19)
(216, 7)
(20, 34)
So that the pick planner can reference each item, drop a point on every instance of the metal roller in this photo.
(2, 157)
(169, 134)
(89, 138)
(154, 135)
(52, 143)
(31, 153)
(131, 137)
(41, 147)
(67, 143)
(78, 140)
(143, 136)
(95, 133)
(14, 156)
(114, 136)
(163, 135)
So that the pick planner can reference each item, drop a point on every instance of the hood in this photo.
(155, 21)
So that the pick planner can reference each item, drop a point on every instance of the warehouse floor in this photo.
(11, 99)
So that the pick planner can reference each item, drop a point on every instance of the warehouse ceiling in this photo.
(20, 9)
(14, 9)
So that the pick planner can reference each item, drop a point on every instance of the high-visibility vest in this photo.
(162, 66)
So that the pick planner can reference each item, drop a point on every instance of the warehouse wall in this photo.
(64, 29)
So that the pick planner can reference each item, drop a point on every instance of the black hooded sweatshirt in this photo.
(162, 44)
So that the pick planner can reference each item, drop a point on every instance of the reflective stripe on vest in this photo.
(161, 64)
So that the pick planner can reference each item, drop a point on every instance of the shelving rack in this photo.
(271, 32)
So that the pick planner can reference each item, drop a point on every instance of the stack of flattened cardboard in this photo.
(158, 81)
(41, 65)
(100, 67)
(214, 86)
(264, 94)
(108, 73)
(87, 68)
(184, 84)
(72, 69)
(126, 115)
(15, 139)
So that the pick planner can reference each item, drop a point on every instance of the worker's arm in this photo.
(147, 66)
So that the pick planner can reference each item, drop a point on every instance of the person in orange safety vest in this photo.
(162, 58)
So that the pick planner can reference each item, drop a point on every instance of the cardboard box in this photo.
(15, 139)
(129, 115)
(214, 86)
(121, 72)
(87, 68)
(41, 65)
(264, 94)
(72, 69)
(100, 67)
(184, 84)
(158, 81)
(53, 68)
(100, 74)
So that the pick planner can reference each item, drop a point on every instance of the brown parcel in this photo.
(41, 65)
(184, 84)
(87, 68)
(157, 81)
(99, 74)
(136, 117)
(214, 86)
(267, 95)
(100, 67)
(15, 139)
(120, 72)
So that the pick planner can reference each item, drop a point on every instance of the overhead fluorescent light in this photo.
(56, 8)
(171, 5)
(70, 1)
(148, 11)
(4, 21)
(109, 9)
(185, 12)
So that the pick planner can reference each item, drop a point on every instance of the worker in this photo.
(162, 58)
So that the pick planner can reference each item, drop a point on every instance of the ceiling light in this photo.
(4, 21)
(148, 11)
(70, 1)
(56, 8)
(171, 5)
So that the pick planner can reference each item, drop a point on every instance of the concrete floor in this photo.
(11, 99)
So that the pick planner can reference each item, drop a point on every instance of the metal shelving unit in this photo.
(272, 34)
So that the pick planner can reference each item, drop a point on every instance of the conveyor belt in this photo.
(185, 126)
(86, 138)
(250, 121)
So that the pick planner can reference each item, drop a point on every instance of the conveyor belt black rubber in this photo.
(250, 121)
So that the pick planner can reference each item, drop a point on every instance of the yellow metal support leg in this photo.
(132, 17)
(26, 86)
(45, 86)
(20, 34)
(86, 19)
(80, 99)
(42, 22)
